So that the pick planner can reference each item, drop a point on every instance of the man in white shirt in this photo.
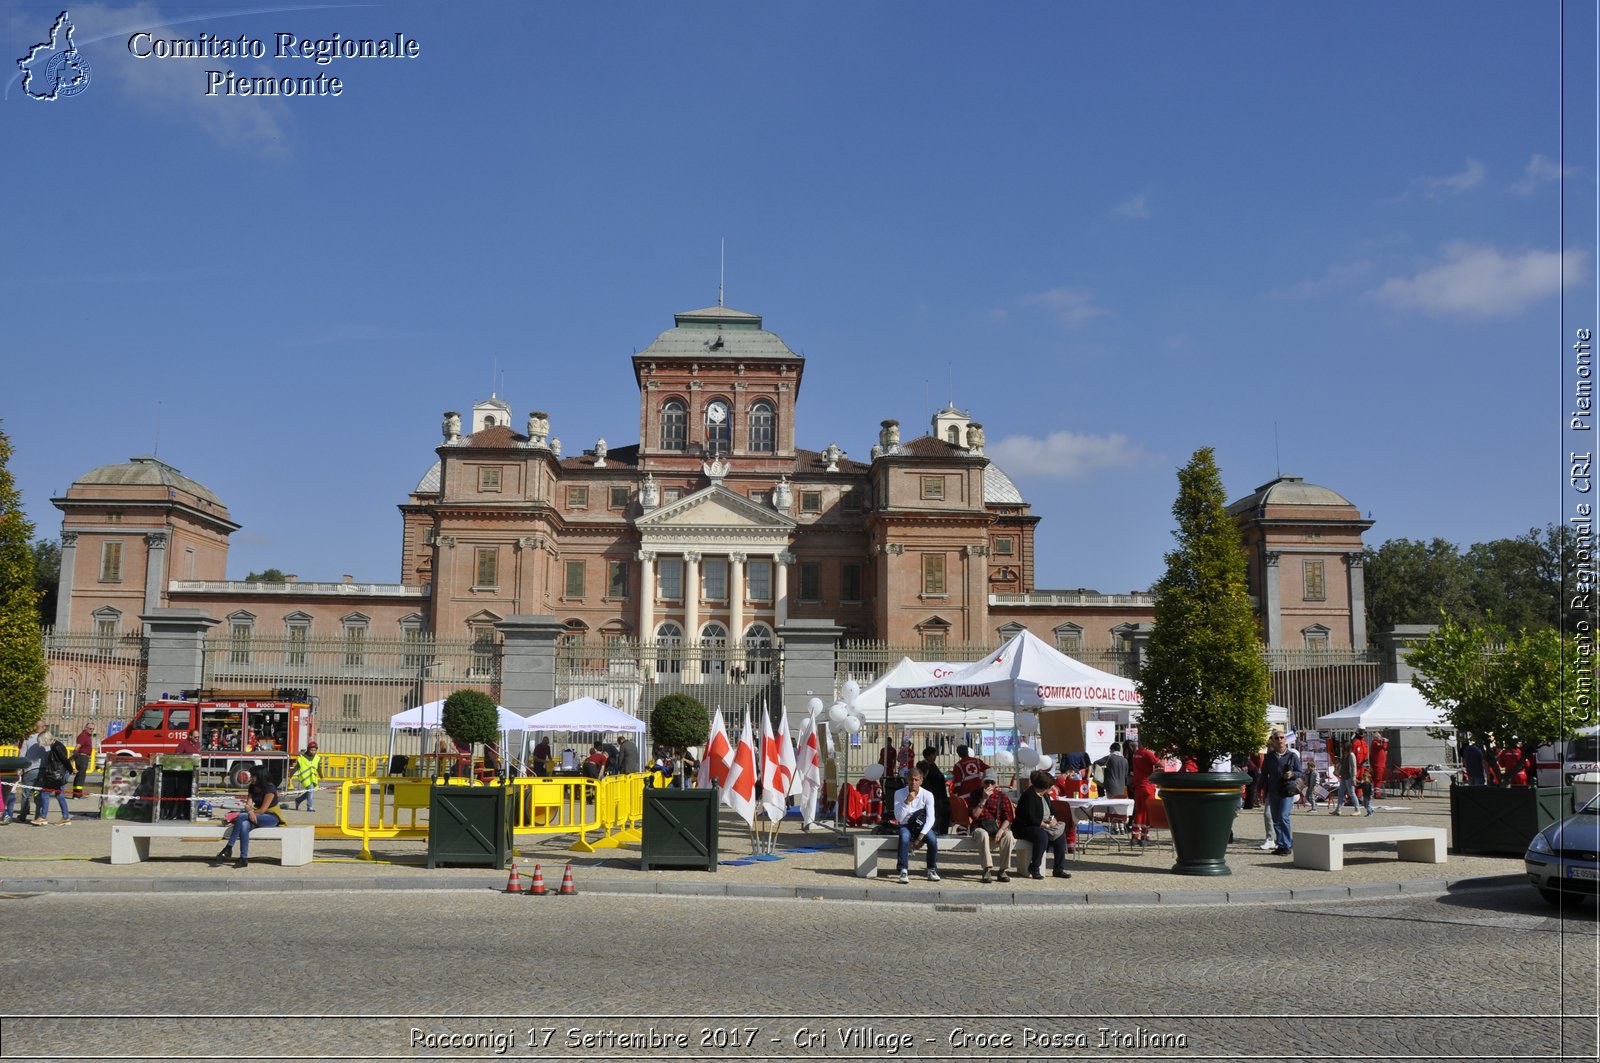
(913, 810)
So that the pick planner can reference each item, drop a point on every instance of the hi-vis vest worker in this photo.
(309, 767)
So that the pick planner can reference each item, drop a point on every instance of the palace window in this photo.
(577, 497)
(1316, 585)
(763, 428)
(810, 581)
(1005, 546)
(1315, 638)
(669, 646)
(713, 649)
(933, 574)
(619, 498)
(758, 581)
(488, 558)
(298, 631)
(241, 628)
(489, 479)
(758, 649)
(714, 579)
(355, 640)
(350, 707)
(674, 426)
(111, 562)
(811, 501)
(933, 487)
(850, 583)
(850, 500)
(1069, 638)
(575, 576)
(616, 579)
(669, 578)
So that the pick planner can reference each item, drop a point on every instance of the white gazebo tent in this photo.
(1391, 705)
(583, 714)
(874, 701)
(428, 717)
(1025, 673)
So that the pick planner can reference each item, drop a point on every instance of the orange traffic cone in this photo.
(537, 889)
(567, 888)
(514, 883)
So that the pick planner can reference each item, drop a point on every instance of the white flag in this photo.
(808, 770)
(717, 757)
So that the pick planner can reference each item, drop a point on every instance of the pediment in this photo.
(718, 508)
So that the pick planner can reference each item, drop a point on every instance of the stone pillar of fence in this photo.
(528, 662)
(1139, 643)
(809, 650)
(1397, 642)
(175, 650)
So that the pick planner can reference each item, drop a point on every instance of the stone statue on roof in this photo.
(538, 428)
(975, 437)
(451, 426)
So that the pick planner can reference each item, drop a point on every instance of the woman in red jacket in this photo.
(1141, 763)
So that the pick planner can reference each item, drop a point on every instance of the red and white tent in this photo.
(1025, 673)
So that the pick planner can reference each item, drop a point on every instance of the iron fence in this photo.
(634, 674)
(95, 676)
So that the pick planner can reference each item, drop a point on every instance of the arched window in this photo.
(713, 649)
(669, 648)
(674, 426)
(953, 435)
(719, 427)
(758, 649)
(763, 428)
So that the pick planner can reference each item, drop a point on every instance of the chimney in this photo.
(290, 577)
(349, 578)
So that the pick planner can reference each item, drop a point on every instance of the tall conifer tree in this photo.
(22, 667)
(1204, 680)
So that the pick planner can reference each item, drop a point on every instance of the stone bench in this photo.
(868, 847)
(130, 842)
(1323, 850)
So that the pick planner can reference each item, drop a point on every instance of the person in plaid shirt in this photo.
(992, 804)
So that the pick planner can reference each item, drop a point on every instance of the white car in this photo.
(1564, 858)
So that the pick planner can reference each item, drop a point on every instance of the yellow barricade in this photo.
(361, 799)
(349, 766)
(556, 806)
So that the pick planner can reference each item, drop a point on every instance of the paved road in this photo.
(445, 973)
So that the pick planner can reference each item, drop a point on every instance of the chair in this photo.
(1156, 809)
(960, 816)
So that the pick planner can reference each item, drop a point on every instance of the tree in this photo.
(271, 575)
(23, 671)
(47, 578)
(1204, 680)
(1536, 686)
(471, 717)
(678, 722)
(1410, 582)
(1511, 581)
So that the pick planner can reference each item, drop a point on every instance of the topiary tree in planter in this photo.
(1203, 682)
(471, 717)
(679, 721)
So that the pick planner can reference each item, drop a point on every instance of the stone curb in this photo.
(961, 897)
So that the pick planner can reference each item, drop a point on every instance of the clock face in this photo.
(716, 413)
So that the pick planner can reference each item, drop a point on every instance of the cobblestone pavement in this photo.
(365, 975)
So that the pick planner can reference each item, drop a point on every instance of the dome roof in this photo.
(147, 471)
(1292, 491)
(429, 484)
(998, 487)
(716, 333)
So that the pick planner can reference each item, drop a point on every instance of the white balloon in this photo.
(1046, 762)
(814, 706)
(1003, 758)
(852, 690)
(853, 725)
(1028, 757)
(837, 713)
(1027, 722)
(874, 772)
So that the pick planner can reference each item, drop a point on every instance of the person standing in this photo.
(82, 756)
(1472, 759)
(541, 756)
(55, 771)
(1380, 762)
(627, 755)
(913, 810)
(1037, 825)
(934, 782)
(992, 814)
(889, 758)
(1348, 767)
(1364, 786)
(308, 772)
(1281, 766)
(34, 753)
(1358, 746)
(1142, 763)
(969, 772)
(1269, 841)
(1113, 773)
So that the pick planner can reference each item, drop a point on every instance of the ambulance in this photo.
(1561, 762)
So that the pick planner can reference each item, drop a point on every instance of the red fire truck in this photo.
(237, 731)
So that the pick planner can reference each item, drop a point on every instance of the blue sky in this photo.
(1324, 238)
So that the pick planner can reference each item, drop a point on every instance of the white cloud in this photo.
(1451, 184)
(1072, 307)
(1540, 171)
(1480, 282)
(175, 88)
(1137, 207)
(1065, 455)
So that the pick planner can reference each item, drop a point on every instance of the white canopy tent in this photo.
(1391, 705)
(1025, 673)
(874, 703)
(584, 714)
(424, 718)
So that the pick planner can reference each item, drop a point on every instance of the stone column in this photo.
(69, 556)
(1356, 571)
(1399, 641)
(736, 611)
(809, 649)
(780, 586)
(155, 572)
(1271, 603)
(647, 594)
(175, 641)
(691, 615)
(528, 662)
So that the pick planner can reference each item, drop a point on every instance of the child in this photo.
(1364, 786)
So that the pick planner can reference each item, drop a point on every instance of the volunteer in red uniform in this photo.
(1358, 746)
(1379, 755)
(1141, 763)
(968, 772)
(1510, 764)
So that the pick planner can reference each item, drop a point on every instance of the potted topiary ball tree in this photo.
(680, 824)
(678, 722)
(470, 824)
(1203, 681)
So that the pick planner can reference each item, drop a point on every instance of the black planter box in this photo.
(1502, 820)
(680, 829)
(470, 826)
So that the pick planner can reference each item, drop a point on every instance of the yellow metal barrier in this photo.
(9, 751)
(360, 798)
(556, 806)
(349, 766)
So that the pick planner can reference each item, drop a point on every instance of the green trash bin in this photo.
(680, 829)
(470, 826)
